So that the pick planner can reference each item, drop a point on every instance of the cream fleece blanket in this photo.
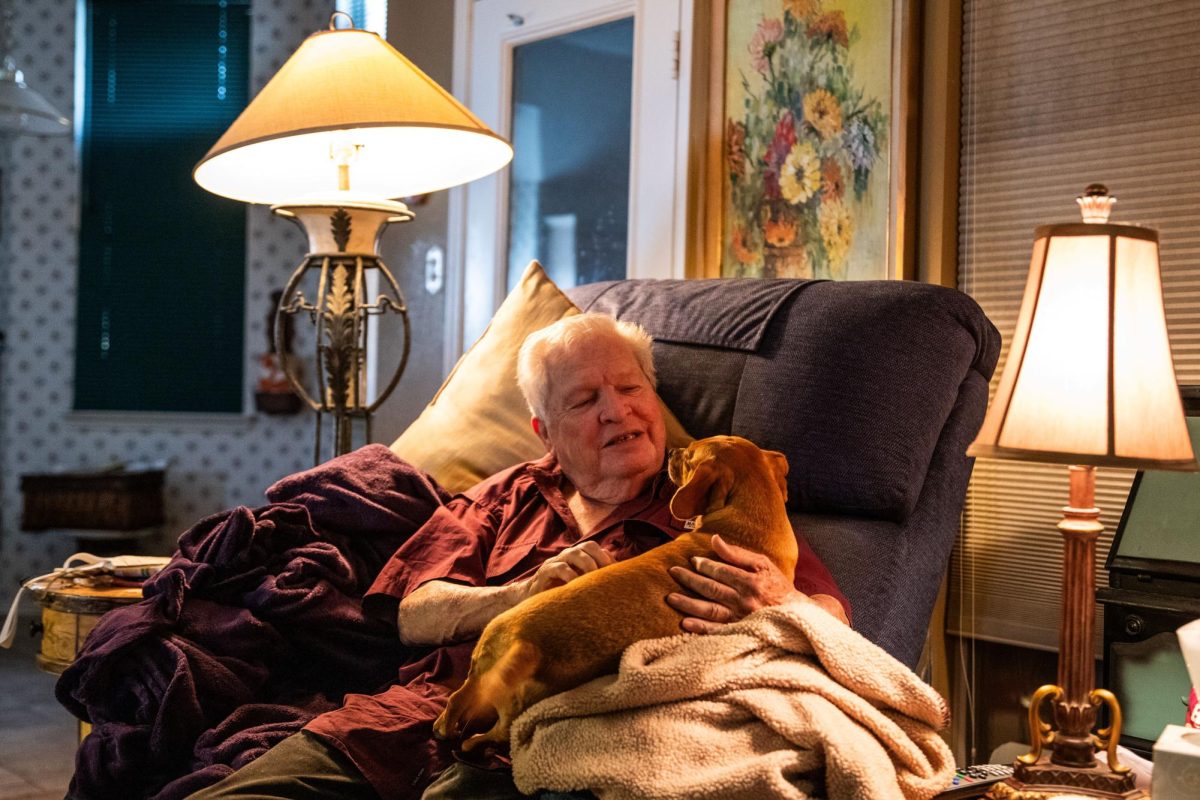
(787, 703)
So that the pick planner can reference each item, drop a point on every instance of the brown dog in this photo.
(568, 635)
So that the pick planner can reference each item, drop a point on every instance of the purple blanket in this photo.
(255, 627)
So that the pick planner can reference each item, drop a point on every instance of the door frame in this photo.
(657, 242)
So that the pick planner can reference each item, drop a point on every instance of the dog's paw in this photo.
(496, 736)
(442, 727)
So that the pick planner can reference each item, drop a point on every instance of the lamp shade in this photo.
(22, 110)
(349, 91)
(1089, 378)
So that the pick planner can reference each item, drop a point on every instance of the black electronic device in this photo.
(1154, 588)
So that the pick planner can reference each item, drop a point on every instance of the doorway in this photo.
(590, 93)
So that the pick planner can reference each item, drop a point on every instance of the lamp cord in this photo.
(967, 583)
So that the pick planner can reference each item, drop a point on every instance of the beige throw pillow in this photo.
(478, 424)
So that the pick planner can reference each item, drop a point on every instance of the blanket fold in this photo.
(787, 703)
(255, 627)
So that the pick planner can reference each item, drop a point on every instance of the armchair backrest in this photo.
(873, 390)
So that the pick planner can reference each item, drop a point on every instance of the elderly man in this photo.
(599, 495)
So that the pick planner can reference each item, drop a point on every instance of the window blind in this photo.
(160, 301)
(1056, 96)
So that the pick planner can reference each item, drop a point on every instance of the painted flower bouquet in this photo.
(803, 149)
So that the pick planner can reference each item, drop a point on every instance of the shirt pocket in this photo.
(508, 560)
(521, 539)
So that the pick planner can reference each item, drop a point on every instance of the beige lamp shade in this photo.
(1089, 378)
(349, 92)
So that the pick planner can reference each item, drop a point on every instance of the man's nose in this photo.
(613, 405)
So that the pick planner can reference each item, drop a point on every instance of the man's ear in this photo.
(706, 490)
(779, 466)
(539, 427)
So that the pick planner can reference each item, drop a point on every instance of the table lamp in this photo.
(1088, 382)
(344, 128)
(23, 110)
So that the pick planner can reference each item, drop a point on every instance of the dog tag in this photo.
(690, 525)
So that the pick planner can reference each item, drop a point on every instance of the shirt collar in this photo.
(547, 474)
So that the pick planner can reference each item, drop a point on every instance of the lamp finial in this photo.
(1095, 204)
(333, 18)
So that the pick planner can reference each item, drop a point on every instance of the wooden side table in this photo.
(69, 613)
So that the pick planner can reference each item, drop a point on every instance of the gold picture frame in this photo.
(712, 210)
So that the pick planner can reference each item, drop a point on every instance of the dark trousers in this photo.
(300, 767)
(303, 766)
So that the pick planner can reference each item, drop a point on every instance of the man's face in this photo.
(603, 420)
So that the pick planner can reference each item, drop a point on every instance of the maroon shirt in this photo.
(496, 533)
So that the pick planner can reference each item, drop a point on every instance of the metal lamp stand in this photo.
(343, 248)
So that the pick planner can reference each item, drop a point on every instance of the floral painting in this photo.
(806, 163)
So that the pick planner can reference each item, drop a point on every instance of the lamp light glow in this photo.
(1089, 377)
(342, 87)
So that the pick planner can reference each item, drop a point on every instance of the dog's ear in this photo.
(707, 490)
(779, 466)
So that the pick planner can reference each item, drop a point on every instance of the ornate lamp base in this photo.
(343, 238)
(1045, 779)
(1070, 767)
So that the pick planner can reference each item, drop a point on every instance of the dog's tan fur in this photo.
(568, 635)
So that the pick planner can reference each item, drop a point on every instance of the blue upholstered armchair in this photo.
(872, 389)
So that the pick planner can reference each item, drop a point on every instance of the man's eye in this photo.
(630, 389)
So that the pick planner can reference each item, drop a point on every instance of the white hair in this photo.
(541, 346)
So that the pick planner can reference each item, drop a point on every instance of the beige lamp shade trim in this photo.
(1071, 459)
(349, 89)
(1089, 377)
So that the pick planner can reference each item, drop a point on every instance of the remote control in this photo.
(974, 780)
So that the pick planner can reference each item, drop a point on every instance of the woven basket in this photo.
(113, 500)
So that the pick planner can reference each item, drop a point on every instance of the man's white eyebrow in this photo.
(633, 376)
(578, 392)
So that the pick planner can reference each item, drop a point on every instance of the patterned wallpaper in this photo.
(213, 463)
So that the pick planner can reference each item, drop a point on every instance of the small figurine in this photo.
(273, 391)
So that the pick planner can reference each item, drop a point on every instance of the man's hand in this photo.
(568, 565)
(742, 582)
(441, 611)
